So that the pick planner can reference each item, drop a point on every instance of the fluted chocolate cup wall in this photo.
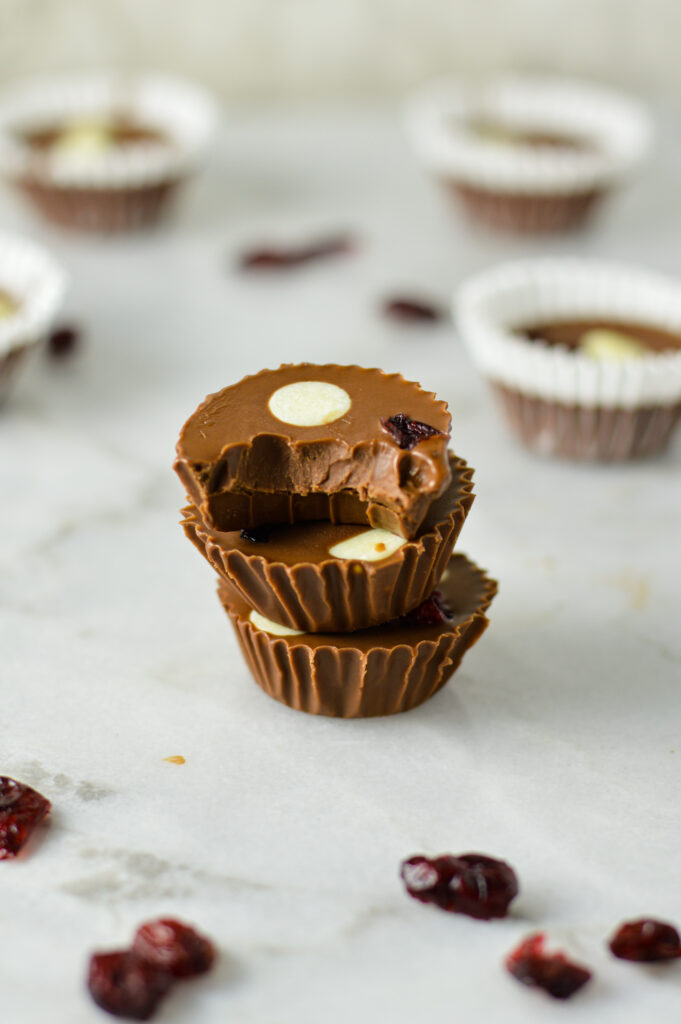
(378, 671)
(527, 213)
(293, 579)
(101, 210)
(574, 432)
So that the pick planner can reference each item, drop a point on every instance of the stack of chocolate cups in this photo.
(326, 500)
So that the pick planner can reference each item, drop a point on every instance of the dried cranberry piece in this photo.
(63, 341)
(407, 432)
(553, 972)
(646, 940)
(174, 947)
(469, 883)
(126, 985)
(273, 258)
(256, 534)
(21, 808)
(410, 310)
(431, 612)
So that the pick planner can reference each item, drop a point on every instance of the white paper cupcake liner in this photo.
(438, 123)
(30, 275)
(489, 306)
(183, 113)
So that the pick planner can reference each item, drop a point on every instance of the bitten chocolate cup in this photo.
(307, 441)
(312, 577)
(378, 671)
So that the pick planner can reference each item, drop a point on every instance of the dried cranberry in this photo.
(256, 534)
(469, 883)
(21, 808)
(174, 947)
(557, 975)
(63, 341)
(646, 940)
(412, 310)
(126, 985)
(273, 258)
(407, 432)
(431, 612)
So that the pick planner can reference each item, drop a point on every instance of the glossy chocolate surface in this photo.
(568, 333)
(242, 466)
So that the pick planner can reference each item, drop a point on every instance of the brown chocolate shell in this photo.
(587, 432)
(242, 466)
(100, 210)
(292, 579)
(527, 213)
(378, 671)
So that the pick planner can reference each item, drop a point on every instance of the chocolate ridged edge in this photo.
(527, 213)
(342, 595)
(584, 432)
(348, 682)
(100, 210)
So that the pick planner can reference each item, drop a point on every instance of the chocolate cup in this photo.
(333, 594)
(526, 213)
(590, 433)
(378, 671)
(242, 466)
(100, 210)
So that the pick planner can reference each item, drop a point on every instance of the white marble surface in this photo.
(556, 746)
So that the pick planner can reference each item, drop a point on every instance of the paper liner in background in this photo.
(525, 188)
(335, 594)
(126, 188)
(378, 671)
(558, 401)
(30, 276)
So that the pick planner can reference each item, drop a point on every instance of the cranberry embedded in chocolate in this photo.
(256, 534)
(407, 432)
(21, 809)
(552, 972)
(273, 258)
(431, 612)
(63, 341)
(126, 985)
(174, 947)
(470, 883)
(646, 940)
(410, 310)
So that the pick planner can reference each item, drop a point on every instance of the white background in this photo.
(266, 50)
(556, 745)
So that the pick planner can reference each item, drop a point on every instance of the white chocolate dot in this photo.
(7, 307)
(370, 546)
(267, 626)
(615, 346)
(86, 136)
(309, 403)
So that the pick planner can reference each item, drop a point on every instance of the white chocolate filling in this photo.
(615, 346)
(267, 626)
(309, 403)
(370, 546)
(86, 136)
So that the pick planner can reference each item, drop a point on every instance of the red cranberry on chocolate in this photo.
(126, 985)
(21, 809)
(431, 612)
(407, 432)
(174, 947)
(646, 941)
(469, 883)
(553, 972)
(410, 310)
